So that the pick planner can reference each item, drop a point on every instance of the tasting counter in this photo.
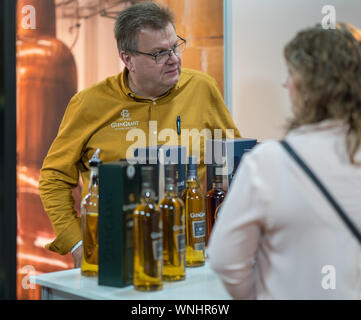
(201, 283)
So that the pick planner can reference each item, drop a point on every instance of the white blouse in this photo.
(277, 237)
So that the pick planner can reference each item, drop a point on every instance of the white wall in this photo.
(260, 29)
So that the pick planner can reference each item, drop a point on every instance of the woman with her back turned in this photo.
(277, 237)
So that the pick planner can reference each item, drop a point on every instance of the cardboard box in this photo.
(119, 194)
(229, 152)
(159, 156)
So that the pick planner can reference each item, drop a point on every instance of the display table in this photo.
(201, 284)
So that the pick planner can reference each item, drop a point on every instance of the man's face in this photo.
(145, 72)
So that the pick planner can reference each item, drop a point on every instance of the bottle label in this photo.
(198, 215)
(199, 246)
(157, 249)
(199, 228)
(181, 242)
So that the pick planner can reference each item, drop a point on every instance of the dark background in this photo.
(7, 150)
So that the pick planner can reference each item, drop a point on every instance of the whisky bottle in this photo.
(195, 217)
(174, 238)
(89, 220)
(214, 197)
(148, 237)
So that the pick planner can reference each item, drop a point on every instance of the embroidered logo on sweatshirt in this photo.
(125, 122)
(125, 113)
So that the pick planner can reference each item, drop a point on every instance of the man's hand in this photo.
(77, 255)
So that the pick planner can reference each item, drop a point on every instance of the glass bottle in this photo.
(214, 197)
(174, 238)
(195, 217)
(216, 213)
(148, 237)
(89, 220)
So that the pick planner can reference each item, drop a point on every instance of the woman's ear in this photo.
(127, 60)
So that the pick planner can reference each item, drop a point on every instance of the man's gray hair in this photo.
(137, 16)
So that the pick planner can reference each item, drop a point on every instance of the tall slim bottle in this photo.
(195, 217)
(89, 220)
(214, 197)
(174, 238)
(148, 237)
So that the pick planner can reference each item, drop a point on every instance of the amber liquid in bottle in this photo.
(89, 221)
(195, 217)
(148, 238)
(214, 198)
(174, 237)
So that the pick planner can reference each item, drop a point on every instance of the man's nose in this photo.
(173, 58)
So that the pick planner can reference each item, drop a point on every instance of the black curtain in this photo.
(7, 150)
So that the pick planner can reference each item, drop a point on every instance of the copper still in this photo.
(46, 80)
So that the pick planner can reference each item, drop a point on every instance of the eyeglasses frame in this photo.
(155, 55)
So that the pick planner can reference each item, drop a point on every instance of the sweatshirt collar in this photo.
(126, 90)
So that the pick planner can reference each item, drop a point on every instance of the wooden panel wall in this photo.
(201, 23)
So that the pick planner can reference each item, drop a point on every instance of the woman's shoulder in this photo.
(266, 158)
(265, 150)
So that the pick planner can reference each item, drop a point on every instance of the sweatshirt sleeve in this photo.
(59, 175)
(218, 115)
(236, 234)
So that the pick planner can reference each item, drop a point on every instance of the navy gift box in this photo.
(159, 156)
(229, 152)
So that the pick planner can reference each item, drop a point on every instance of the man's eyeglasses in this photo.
(163, 56)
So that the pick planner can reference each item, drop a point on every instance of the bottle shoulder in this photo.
(216, 193)
(147, 207)
(171, 202)
(193, 193)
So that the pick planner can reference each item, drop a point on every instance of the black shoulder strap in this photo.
(322, 188)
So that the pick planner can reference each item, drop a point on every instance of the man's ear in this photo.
(127, 60)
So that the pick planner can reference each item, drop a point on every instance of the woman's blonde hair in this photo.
(328, 65)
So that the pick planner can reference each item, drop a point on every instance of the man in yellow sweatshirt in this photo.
(144, 105)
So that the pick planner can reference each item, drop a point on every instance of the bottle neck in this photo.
(170, 180)
(147, 190)
(192, 181)
(192, 174)
(171, 189)
(147, 195)
(217, 184)
(93, 179)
